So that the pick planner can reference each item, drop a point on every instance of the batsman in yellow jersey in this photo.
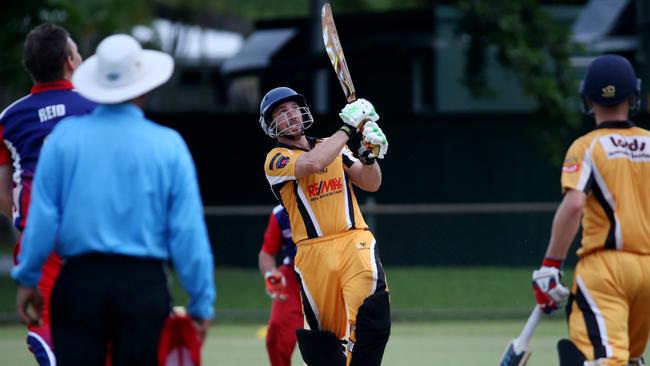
(342, 282)
(606, 183)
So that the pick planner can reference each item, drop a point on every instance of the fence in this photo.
(462, 234)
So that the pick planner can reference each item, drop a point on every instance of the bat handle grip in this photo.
(366, 144)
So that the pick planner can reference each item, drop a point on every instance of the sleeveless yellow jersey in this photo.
(612, 166)
(320, 204)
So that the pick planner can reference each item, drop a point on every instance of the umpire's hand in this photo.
(29, 296)
(202, 327)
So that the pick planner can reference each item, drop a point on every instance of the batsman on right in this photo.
(342, 282)
(605, 183)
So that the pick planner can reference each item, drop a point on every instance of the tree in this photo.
(530, 43)
(88, 21)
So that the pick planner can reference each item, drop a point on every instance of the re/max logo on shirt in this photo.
(51, 111)
(324, 186)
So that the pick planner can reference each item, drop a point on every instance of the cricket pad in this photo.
(569, 354)
(320, 348)
(372, 330)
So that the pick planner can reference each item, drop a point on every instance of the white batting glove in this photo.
(550, 292)
(353, 114)
(375, 138)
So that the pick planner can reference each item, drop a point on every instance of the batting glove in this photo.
(357, 112)
(275, 284)
(374, 141)
(550, 292)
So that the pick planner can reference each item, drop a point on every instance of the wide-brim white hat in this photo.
(121, 70)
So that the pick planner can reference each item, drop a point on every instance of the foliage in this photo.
(17, 17)
(524, 37)
(253, 10)
(527, 41)
(93, 20)
(87, 21)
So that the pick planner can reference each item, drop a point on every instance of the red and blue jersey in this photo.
(24, 126)
(277, 236)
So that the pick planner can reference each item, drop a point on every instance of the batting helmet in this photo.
(610, 80)
(272, 100)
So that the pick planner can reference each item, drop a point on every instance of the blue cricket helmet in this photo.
(610, 80)
(272, 100)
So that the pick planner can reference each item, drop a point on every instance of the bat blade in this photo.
(335, 53)
(517, 353)
(337, 58)
(511, 358)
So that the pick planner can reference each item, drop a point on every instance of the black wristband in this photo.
(365, 159)
(349, 130)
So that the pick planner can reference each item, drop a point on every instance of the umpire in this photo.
(116, 196)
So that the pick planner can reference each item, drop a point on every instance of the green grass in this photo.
(431, 298)
(476, 342)
(416, 293)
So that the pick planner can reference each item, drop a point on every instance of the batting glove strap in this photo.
(349, 130)
(366, 156)
(552, 262)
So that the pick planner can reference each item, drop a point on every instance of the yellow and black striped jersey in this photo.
(612, 166)
(320, 204)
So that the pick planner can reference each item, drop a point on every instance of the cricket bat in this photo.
(337, 58)
(517, 353)
(335, 53)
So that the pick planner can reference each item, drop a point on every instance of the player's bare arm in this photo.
(266, 262)
(29, 304)
(366, 173)
(273, 279)
(321, 155)
(550, 291)
(6, 204)
(566, 223)
(366, 177)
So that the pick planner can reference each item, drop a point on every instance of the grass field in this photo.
(417, 293)
(468, 342)
(442, 316)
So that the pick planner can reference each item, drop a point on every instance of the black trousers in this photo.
(102, 302)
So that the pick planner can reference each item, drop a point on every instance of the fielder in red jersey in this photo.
(282, 286)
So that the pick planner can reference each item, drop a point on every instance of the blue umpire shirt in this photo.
(114, 182)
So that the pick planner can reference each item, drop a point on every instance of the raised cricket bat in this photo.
(517, 353)
(335, 53)
(337, 58)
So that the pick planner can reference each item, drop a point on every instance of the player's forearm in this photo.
(266, 262)
(6, 197)
(370, 177)
(6, 207)
(322, 155)
(565, 227)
